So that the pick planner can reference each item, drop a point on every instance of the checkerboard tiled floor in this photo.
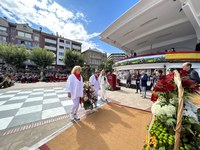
(18, 107)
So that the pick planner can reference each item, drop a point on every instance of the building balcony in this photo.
(50, 48)
(76, 47)
(50, 41)
(64, 44)
(4, 33)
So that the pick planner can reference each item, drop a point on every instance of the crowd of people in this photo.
(21, 77)
(141, 77)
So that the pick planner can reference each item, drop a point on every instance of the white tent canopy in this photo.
(155, 25)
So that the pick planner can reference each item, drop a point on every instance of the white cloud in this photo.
(50, 15)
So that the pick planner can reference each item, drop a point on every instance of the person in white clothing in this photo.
(95, 82)
(103, 84)
(75, 90)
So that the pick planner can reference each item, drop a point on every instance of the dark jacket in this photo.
(194, 75)
(129, 77)
(137, 78)
(197, 47)
(143, 80)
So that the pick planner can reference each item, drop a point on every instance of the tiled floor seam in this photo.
(34, 124)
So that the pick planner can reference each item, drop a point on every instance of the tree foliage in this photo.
(107, 65)
(41, 57)
(72, 58)
(13, 55)
(86, 72)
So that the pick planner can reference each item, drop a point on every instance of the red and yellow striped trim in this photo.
(182, 56)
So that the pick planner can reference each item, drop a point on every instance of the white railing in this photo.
(64, 44)
(50, 48)
(50, 41)
(76, 47)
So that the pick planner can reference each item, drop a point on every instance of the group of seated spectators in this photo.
(54, 77)
(7, 80)
(26, 77)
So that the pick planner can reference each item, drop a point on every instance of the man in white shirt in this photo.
(95, 82)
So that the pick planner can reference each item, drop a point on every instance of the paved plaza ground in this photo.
(31, 112)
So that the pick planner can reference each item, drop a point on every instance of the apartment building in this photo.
(23, 34)
(64, 44)
(94, 57)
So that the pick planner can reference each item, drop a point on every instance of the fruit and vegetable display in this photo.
(173, 126)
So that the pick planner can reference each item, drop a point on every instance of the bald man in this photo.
(193, 74)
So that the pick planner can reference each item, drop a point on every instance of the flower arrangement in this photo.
(161, 134)
(89, 97)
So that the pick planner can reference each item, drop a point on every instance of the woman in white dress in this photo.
(95, 82)
(103, 84)
(75, 90)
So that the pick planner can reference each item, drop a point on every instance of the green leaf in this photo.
(170, 121)
(188, 128)
(196, 127)
(191, 120)
(161, 148)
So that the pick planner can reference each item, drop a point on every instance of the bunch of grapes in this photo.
(162, 135)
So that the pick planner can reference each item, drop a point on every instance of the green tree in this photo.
(72, 58)
(13, 55)
(101, 66)
(86, 72)
(107, 65)
(42, 58)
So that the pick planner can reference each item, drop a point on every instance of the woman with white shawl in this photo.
(75, 90)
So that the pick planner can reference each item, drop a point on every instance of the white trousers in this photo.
(96, 94)
(75, 105)
(103, 91)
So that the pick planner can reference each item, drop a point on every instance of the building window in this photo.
(20, 42)
(3, 29)
(19, 33)
(62, 41)
(26, 43)
(51, 45)
(61, 47)
(2, 38)
(27, 35)
(35, 44)
(13, 29)
(61, 53)
(67, 42)
(22, 34)
(36, 37)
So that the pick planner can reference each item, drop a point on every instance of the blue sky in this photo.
(81, 20)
